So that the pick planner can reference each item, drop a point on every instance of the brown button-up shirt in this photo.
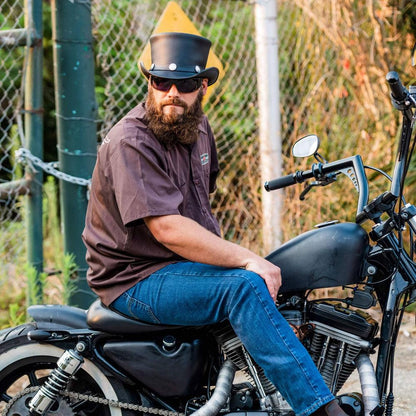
(136, 177)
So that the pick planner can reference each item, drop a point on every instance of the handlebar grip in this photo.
(280, 182)
(398, 91)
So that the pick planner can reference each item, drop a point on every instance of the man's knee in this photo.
(248, 282)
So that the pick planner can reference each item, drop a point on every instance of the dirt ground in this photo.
(405, 403)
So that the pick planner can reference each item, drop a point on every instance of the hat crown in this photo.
(178, 55)
(184, 50)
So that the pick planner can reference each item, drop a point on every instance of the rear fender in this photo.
(58, 317)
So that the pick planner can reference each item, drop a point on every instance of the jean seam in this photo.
(316, 405)
(161, 273)
(144, 306)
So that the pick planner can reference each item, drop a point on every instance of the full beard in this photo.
(174, 128)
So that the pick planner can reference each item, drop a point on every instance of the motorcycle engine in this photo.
(333, 335)
(338, 335)
(261, 390)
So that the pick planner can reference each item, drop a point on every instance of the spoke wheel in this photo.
(20, 406)
(29, 364)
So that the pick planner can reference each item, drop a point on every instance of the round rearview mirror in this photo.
(306, 146)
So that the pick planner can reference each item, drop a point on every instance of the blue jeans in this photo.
(189, 293)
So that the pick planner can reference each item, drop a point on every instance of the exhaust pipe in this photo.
(368, 383)
(226, 376)
(221, 393)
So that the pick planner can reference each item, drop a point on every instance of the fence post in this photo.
(33, 115)
(76, 125)
(269, 111)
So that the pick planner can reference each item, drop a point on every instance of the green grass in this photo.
(21, 285)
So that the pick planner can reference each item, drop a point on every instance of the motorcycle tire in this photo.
(24, 363)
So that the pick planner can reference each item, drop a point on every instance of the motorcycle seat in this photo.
(102, 318)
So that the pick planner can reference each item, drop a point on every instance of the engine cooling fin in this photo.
(234, 350)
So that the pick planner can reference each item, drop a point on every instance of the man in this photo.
(153, 246)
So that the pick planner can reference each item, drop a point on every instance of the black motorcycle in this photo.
(70, 361)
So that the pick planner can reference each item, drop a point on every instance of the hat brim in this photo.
(210, 73)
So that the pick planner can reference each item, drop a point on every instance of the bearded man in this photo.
(154, 248)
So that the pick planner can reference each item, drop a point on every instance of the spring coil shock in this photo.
(58, 379)
(56, 382)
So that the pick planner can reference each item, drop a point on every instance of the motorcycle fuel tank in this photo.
(325, 257)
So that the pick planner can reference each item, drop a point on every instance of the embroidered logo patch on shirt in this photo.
(204, 159)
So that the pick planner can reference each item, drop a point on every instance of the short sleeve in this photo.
(141, 183)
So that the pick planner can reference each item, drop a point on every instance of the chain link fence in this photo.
(333, 57)
(122, 29)
(12, 229)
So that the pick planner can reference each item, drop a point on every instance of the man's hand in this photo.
(269, 272)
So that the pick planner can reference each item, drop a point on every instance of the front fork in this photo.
(67, 366)
(388, 336)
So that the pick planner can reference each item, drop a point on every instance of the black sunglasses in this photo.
(183, 85)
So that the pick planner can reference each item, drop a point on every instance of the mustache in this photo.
(174, 101)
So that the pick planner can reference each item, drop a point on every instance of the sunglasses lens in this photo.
(161, 84)
(183, 85)
(188, 85)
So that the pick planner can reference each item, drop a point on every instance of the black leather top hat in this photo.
(179, 56)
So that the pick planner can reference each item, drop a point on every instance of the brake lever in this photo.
(308, 187)
(326, 180)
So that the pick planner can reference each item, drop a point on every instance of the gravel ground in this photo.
(405, 376)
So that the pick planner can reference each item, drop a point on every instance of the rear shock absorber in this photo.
(67, 366)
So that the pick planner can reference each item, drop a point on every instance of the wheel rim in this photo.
(19, 406)
(29, 365)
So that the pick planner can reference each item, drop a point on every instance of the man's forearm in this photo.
(195, 243)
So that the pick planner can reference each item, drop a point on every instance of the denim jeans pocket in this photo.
(141, 311)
